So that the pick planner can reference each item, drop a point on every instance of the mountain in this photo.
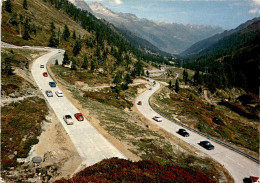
(81, 4)
(233, 60)
(206, 43)
(168, 37)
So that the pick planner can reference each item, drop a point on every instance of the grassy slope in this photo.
(42, 14)
(195, 113)
(20, 121)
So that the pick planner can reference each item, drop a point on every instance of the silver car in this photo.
(68, 119)
(49, 93)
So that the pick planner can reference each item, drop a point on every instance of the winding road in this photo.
(239, 166)
(93, 147)
(90, 144)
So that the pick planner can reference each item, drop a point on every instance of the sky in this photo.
(227, 14)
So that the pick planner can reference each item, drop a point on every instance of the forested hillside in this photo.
(206, 43)
(232, 61)
(89, 43)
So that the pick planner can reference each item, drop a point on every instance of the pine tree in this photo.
(7, 68)
(26, 34)
(92, 65)
(128, 79)
(185, 76)
(117, 80)
(25, 5)
(77, 48)
(8, 6)
(66, 33)
(74, 35)
(65, 59)
(53, 41)
(177, 87)
(85, 63)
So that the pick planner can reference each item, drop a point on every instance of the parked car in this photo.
(139, 103)
(183, 132)
(150, 88)
(59, 93)
(41, 66)
(52, 84)
(79, 116)
(49, 93)
(68, 119)
(157, 118)
(206, 144)
(45, 74)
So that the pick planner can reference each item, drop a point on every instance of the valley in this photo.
(83, 101)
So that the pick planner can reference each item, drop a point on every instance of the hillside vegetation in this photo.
(90, 44)
(231, 61)
(118, 170)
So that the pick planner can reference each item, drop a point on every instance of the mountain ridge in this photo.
(168, 37)
(206, 43)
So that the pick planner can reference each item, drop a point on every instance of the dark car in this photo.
(183, 132)
(52, 84)
(207, 145)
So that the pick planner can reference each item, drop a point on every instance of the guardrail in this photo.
(205, 135)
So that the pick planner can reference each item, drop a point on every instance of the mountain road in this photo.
(239, 166)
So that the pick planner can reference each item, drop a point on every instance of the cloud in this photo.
(255, 7)
(118, 2)
(256, 2)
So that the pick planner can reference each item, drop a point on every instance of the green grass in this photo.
(89, 78)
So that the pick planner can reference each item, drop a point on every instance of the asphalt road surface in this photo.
(239, 166)
(90, 144)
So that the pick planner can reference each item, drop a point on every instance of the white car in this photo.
(68, 119)
(157, 118)
(59, 93)
(41, 66)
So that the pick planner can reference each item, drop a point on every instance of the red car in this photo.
(139, 103)
(79, 116)
(45, 74)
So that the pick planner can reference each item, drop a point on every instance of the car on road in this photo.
(59, 93)
(52, 84)
(157, 118)
(45, 74)
(79, 116)
(183, 132)
(150, 88)
(41, 66)
(49, 93)
(139, 103)
(68, 119)
(207, 145)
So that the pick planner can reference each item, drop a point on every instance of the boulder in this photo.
(37, 159)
